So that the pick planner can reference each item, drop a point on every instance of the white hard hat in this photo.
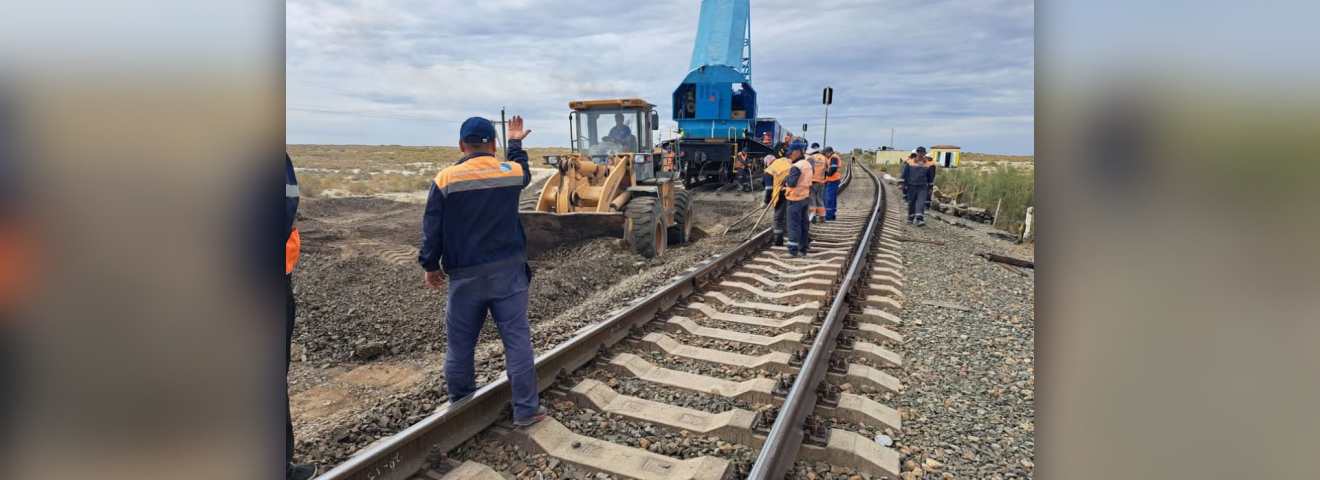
(769, 158)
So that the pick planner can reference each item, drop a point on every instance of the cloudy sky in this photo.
(408, 71)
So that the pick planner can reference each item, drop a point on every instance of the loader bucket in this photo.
(546, 230)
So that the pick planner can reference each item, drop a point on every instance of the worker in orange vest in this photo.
(831, 184)
(292, 245)
(669, 158)
(817, 184)
(743, 167)
(775, 189)
(798, 194)
(765, 139)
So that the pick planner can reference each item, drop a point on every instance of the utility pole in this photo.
(504, 136)
(826, 97)
(891, 137)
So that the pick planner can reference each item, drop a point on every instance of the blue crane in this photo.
(716, 106)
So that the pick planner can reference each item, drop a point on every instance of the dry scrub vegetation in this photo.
(983, 186)
(376, 169)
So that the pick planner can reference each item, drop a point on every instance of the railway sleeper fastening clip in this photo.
(809, 336)
(851, 324)
(782, 386)
(838, 364)
(764, 420)
(827, 394)
(797, 357)
(845, 342)
(814, 432)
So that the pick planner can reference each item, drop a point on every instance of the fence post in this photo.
(1031, 217)
(995, 221)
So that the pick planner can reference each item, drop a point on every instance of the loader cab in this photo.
(605, 127)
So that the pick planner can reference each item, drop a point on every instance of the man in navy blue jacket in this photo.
(472, 234)
(292, 244)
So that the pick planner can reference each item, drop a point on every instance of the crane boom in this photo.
(724, 36)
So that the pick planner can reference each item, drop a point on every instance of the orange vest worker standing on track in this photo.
(472, 234)
(292, 246)
(831, 184)
(799, 197)
(817, 184)
(773, 179)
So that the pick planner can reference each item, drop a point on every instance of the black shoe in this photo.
(779, 241)
(541, 413)
(303, 471)
(921, 222)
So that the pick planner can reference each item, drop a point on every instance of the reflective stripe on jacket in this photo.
(799, 181)
(470, 226)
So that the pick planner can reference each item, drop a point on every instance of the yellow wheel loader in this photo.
(613, 184)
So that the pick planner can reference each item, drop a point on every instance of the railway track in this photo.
(751, 365)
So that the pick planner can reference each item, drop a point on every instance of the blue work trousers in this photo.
(504, 295)
(918, 197)
(799, 224)
(744, 180)
(831, 199)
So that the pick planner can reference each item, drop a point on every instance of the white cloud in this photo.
(377, 72)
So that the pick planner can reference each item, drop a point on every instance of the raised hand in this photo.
(516, 131)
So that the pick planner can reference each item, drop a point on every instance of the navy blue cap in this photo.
(796, 145)
(828, 150)
(921, 149)
(815, 145)
(477, 130)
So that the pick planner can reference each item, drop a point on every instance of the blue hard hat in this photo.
(797, 145)
(477, 130)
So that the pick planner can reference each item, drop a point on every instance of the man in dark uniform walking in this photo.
(917, 178)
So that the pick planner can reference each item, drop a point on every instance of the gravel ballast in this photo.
(968, 409)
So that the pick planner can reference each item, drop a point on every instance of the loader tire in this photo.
(646, 227)
(681, 231)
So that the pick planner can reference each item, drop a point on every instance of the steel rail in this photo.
(402, 455)
(782, 444)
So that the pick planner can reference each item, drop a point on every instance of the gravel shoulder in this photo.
(969, 406)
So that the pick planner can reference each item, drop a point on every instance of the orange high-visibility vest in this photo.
(17, 249)
(291, 249)
(779, 171)
(835, 176)
(669, 160)
(803, 188)
(818, 168)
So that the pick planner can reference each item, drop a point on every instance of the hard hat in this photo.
(796, 145)
(829, 150)
(769, 158)
(921, 149)
(815, 145)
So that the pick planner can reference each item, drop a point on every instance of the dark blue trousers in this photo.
(799, 234)
(504, 295)
(831, 199)
(918, 196)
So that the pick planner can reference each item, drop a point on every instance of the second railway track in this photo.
(749, 366)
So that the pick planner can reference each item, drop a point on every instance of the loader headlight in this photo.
(551, 159)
